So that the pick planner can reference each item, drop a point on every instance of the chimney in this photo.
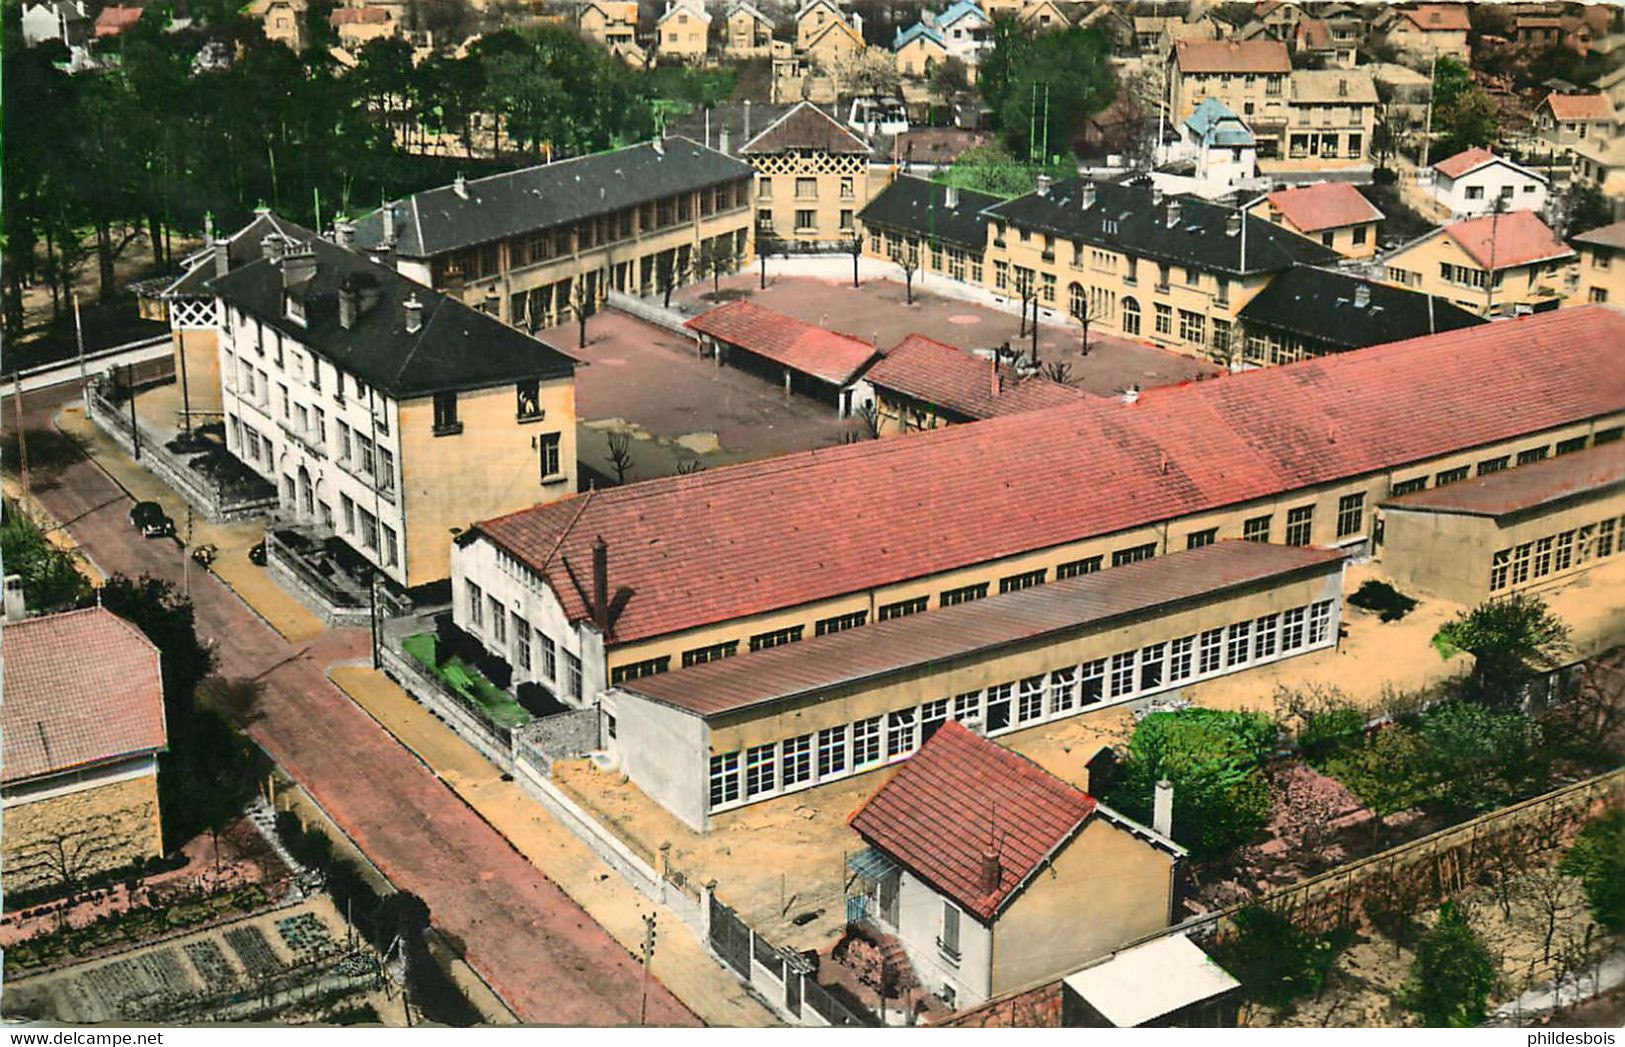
(1162, 809)
(1086, 195)
(344, 234)
(995, 378)
(459, 185)
(348, 306)
(222, 258)
(414, 313)
(659, 144)
(208, 228)
(1173, 213)
(1156, 196)
(600, 584)
(389, 225)
(1043, 185)
(1232, 224)
(1342, 88)
(271, 247)
(857, 23)
(1362, 296)
(747, 119)
(950, 196)
(298, 265)
(1131, 394)
(991, 872)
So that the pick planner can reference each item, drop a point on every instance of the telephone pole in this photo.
(648, 959)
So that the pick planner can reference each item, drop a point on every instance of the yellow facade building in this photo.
(683, 31)
(612, 23)
(1496, 265)
(749, 32)
(537, 246)
(1601, 266)
(1334, 213)
(812, 177)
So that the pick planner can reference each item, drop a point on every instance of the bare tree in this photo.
(671, 269)
(716, 260)
(620, 454)
(907, 258)
(690, 466)
(766, 244)
(580, 302)
(1027, 290)
(1552, 896)
(869, 414)
(854, 247)
(1086, 310)
(1058, 371)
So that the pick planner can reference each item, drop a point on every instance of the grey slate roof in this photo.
(742, 120)
(1318, 305)
(1124, 219)
(242, 247)
(920, 206)
(457, 348)
(499, 206)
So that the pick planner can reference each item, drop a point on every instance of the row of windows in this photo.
(1527, 456)
(835, 752)
(1554, 554)
(486, 614)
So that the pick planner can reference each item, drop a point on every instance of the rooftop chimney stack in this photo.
(1232, 224)
(1173, 213)
(222, 259)
(996, 380)
(1162, 809)
(658, 144)
(459, 185)
(1043, 182)
(1156, 196)
(208, 228)
(389, 225)
(1362, 296)
(991, 872)
(722, 141)
(950, 196)
(271, 247)
(349, 306)
(298, 265)
(344, 234)
(1131, 394)
(1086, 195)
(747, 119)
(600, 584)
(414, 313)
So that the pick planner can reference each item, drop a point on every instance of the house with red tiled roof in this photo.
(83, 724)
(627, 581)
(922, 383)
(804, 358)
(114, 20)
(1335, 213)
(1562, 120)
(978, 857)
(1248, 76)
(1423, 32)
(1476, 181)
(1494, 265)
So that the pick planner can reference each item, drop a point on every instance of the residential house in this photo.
(1331, 122)
(978, 854)
(1010, 9)
(1573, 32)
(1509, 531)
(812, 177)
(1613, 85)
(612, 23)
(65, 20)
(749, 32)
(1562, 120)
(1042, 16)
(827, 37)
(1601, 165)
(1324, 44)
(683, 31)
(283, 21)
(1154, 37)
(1179, 467)
(356, 26)
(1493, 265)
(1280, 18)
(536, 246)
(1307, 311)
(1335, 213)
(386, 415)
(114, 19)
(918, 50)
(1601, 266)
(83, 725)
(1114, 22)
(966, 32)
(1224, 150)
(1475, 181)
(805, 359)
(922, 384)
(813, 19)
(1249, 77)
(1422, 33)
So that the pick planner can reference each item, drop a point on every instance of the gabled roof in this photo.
(1045, 614)
(1322, 306)
(1211, 114)
(1438, 18)
(243, 246)
(1033, 8)
(114, 19)
(1232, 56)
(1514, 238)
(1324, 205)
(916, 31)
(1333, 86)
(1603, 236)
(456, 348)
(739, 6)
(939, 374)
(1471, 159)
(1527, 487)
(827, 355)
(548, 195)
(839, 25)
(961, 798)
(958, 10)
(692, 7)
(614, 11)
(805, 127)
(359, 16)
(1579, 107)
(916, 205)
(81, 688)
(1125, 218)
(810, 526)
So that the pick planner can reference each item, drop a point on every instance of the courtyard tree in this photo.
(1042, 87)
(906, 256)
(1597, 858)
(671, 269)
(854, 247)
(1512, 640)
(1463, 114)
(766, 244)
(620, 453)
(1085, 309)
(1451, 978)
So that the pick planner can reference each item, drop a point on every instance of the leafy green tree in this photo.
(1597, 858)
(1481, 758)
(50, 580)
(165, 615)
(1041, 88)
(991, 169)
(1274, 960)
(1451, 978)
(1463, 114)
(1212, 758)
(1388, 772)
(1511, 641)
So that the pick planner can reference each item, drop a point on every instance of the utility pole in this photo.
(1427, 121)
(648, 959)
(22, 437)
(79, 337)
(135, 425)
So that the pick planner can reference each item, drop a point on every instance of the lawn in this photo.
(468, 682)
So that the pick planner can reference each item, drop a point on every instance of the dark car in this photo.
(150, 520)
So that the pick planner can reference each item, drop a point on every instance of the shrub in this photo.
(1388, 602)
(1481, 758)
(1452, 975)
(1330, 731)
(1275, 961)
(1388, 771)
(1597, 858)
(495, 669)
(1510, 640)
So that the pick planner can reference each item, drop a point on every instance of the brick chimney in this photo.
(600, 584)
(1162, 809)
(991, 872)
(994, 376)
(414, 313)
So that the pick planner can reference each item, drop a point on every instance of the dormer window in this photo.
(295, 309)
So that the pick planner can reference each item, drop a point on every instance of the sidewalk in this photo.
(232, 541)
(681, 962)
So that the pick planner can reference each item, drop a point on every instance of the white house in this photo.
(1221, 144)
(966, 31)
(994, 874)
(1470, 183)
(64, 20)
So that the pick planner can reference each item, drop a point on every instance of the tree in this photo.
(1511, 640)
(1481, 758)
(906, 256)
(766, 244)
(165, 615)
(870, 73)
(950, 78)
(1388, 772)
(620, 454)
(1059, 372)
(1041, 88)
(50, 580)
(581, 303)
(1085, 310)
(1452, 975)
(854, 247)
(715, 259)
(1463, 115)
(671, 269)
(1597, 858)
(1275, 961)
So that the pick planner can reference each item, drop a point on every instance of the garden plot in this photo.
(212, 966)
(253, 951)
(306, 935)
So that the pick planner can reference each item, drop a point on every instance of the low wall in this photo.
(494, 742)
(292, 575)
(650, 311)
(560, 736)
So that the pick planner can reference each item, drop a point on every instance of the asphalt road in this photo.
(541, 952)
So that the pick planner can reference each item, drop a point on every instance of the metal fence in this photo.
(781, 976)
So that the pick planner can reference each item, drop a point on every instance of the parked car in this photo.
(256, 554)
(149, 518)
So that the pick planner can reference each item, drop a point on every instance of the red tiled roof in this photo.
(1580, 107)
(835, 358)
(1464, 161)
(1314, 34)
(1439, 18)
(1326, 205)
(1527, 487)
(115, 19)
(961, 797)
(359, 16)
(940, 374)
(1232, 56)
(805, 127)
(80, 688)
(751, 538)
(1514, 238)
